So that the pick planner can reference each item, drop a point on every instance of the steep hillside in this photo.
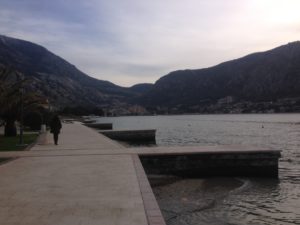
(261, 82)
(260, 78)
(59, 81)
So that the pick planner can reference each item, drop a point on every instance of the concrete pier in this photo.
(100, 126)
(131, 135)
(88, 121)
(202, 164)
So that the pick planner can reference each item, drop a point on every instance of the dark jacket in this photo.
(55, 125)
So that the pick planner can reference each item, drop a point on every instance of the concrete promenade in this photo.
(90, 179)
(87, 179)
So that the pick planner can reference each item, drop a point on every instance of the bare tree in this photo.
(12, 84)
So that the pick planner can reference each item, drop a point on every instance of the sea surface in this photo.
(236, 200)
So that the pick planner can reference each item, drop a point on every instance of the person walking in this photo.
(55, 126)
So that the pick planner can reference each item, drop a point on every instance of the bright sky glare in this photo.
(138, 41)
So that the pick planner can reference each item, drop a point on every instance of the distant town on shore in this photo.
(264, 82)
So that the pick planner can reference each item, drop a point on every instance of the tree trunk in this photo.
(10, 129)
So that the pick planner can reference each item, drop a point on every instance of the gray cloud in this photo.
(139, 41)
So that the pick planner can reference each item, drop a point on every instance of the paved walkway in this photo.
(87, 179)
(57, 186)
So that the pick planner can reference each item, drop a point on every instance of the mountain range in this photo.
(261, 82)
(58, 80)
(262, 78)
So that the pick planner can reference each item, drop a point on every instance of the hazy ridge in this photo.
(260, 82)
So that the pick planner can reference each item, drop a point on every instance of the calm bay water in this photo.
(234, 200)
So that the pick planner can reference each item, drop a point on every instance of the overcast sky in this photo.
(138, 41)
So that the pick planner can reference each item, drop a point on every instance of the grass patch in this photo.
(11, 143)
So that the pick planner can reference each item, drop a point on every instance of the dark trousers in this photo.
(55, 137)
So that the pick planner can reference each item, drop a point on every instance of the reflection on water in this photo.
(228, 200)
